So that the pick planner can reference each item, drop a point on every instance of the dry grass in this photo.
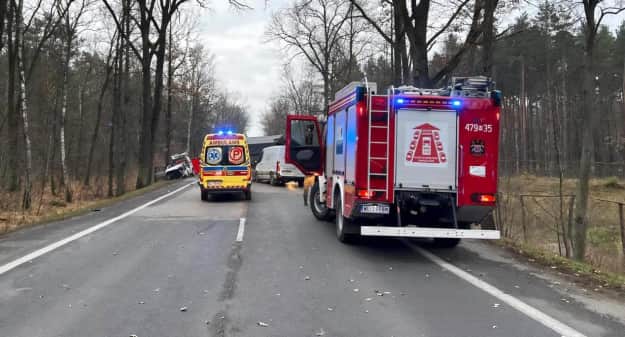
(48, 207)
(541, 228)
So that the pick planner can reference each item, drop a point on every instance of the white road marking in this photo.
(241, 230)
(535, 314)
(42, 251)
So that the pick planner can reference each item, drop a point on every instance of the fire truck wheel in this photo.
(204, 195)
(446, 242)
(343, 223)
(319, 209)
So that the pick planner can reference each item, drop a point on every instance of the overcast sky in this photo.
(246, 64)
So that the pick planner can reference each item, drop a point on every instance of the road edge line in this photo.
(241, 230)
(55, 245)
(524, 308)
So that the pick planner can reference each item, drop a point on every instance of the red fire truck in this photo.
(409, 163)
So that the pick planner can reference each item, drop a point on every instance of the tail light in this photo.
(365, 194)
(278, 167)
(484, 198)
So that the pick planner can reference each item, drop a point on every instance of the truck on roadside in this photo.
(411, 162)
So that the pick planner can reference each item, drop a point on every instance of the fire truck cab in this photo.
(409, 163)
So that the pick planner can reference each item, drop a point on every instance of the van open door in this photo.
(303, 143)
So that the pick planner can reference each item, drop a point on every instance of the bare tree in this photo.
(69, 26)
(590, 118)
(314, 29)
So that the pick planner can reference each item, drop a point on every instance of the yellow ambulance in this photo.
(225, 165)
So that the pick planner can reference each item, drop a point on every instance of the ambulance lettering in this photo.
(426, 146)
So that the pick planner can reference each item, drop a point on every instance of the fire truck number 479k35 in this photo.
(411, 162)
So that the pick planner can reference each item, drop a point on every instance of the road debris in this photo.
(351, 280)
(330, 309)
(157, 290)
(320, 333)
(356, 290)
(263, 324)
(366, 311)
(133, 336)
(307, 278)
(207, 322)
(183, 309)
(494, 327)
(517, 287)
(368, 299)
(565, 300)
(115, 253)
(496, 305)
(141, 302)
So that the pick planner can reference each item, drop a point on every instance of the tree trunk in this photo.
(144, 177)
(96, 127)
(27, 198)
(12, 113)
(580, 219)
(158, 94)
(488, 36)
(170, 75)
(66, 182)
(125, 107)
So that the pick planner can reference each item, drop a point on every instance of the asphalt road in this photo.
(182, 267)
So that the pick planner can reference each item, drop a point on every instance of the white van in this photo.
(273, 169)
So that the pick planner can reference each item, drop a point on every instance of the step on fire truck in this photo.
(411, 163)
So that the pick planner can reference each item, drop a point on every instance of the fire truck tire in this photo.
(248, 194)
(343, 224)
(446, 242)
(319, 209)
(204, 195)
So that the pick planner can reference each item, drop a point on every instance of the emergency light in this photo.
(400, 101)
(456, 103)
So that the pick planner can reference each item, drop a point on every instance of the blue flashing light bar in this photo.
(399, 101)
(229, 132)
(456, 103)
(220, 132)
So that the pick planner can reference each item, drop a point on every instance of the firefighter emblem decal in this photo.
(427, 146)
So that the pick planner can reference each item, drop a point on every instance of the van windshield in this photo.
(225, 155)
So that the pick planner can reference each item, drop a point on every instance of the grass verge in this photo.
(580, 272)
(85, 207)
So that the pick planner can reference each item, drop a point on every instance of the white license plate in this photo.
(214, 183)
(375, 209)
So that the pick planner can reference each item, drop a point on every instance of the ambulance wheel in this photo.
(343, 224)
(204, 195)
(446, 242)
(318, 208)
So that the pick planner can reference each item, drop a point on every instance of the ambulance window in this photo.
(225, 155)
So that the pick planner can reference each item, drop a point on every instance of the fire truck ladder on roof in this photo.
(385, 159)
